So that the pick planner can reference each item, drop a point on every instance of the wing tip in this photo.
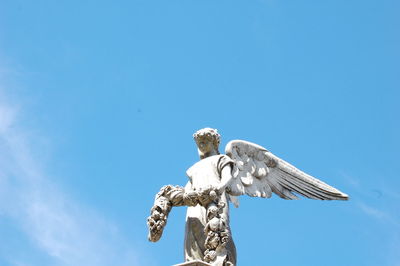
(344, 197)
(338, 195)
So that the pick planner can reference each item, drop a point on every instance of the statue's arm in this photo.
(169, 196)
(226, 178)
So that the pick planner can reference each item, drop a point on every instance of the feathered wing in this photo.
(257, 173)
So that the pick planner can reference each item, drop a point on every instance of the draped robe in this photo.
(205, 173)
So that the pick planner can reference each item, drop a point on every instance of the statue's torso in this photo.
(207, 172)
(203, 174)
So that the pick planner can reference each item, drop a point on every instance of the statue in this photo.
(216, 179)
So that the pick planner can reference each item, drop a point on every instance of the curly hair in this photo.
(209, 133)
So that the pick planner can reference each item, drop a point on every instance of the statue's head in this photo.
(207, 140)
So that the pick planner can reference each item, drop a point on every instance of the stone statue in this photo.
(216, 179)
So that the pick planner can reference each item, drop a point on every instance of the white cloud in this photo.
(379, 204)
(384, 198)
(6, 117)
(66, 231)
(378, 214)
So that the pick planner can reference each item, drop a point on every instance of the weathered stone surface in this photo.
(194, 263)
(246, 168)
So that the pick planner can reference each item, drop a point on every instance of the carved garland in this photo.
(216, 229)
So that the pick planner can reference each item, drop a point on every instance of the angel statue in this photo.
(245, 168)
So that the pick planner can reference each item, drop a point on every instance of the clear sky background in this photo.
(99, 101)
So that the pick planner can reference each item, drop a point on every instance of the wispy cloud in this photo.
(378, 214)
(65, 230)
(379, 203)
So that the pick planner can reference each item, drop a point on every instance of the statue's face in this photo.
(205, 144)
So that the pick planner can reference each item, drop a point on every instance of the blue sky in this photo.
(99, 101)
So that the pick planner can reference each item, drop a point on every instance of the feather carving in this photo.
(257, 173)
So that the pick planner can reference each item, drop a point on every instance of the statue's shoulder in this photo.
(209, 160)
(210, 164)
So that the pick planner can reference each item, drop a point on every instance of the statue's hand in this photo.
(208, 195)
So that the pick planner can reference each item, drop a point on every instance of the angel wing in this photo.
(257, 173)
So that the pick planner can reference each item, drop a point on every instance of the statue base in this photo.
(194, 263)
